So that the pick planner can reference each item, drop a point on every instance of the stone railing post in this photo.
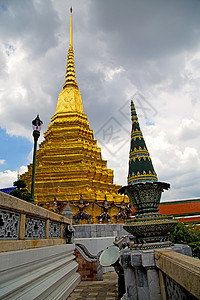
(141, 276)
(148, 262)
(47, 228)
(61, 231)
(22, 226)
(129, 275)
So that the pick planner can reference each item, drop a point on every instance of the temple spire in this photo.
(70, 78)
(140, 165)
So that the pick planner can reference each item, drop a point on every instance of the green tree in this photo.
(187, 234)
(20, 184)
(21, 192)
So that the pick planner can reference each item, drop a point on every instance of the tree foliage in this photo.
(20, 184)
(21, 192)
(187, 234)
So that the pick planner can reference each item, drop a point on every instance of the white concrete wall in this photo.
(99, 230)
(40, 273)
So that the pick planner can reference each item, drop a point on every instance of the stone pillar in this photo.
(129, 275)
(141, 275)
(67, 213)
(148, 263)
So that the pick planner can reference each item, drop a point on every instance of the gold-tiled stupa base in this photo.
(69, 164)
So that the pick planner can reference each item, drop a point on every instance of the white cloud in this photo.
(111, 72)
(188, 129)
(8, 177)
(2, 161)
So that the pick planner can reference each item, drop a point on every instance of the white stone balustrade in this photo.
(29, 225)
(35, 260)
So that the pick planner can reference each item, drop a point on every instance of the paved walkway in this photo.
(91, 290)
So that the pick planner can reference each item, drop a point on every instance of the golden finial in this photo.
(70, 78)
(70, 37)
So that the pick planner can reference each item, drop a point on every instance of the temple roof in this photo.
(140, 165)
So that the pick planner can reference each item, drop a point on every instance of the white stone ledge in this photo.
(16, 245)
(14, 204)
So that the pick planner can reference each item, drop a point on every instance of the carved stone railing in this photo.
(24, 225)
(179, 275)
(161, 274)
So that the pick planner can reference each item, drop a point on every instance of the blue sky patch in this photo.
(149, 123)
(14, 150)
(4, 7)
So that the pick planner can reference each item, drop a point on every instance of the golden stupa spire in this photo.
(70, 78)
(69, 99)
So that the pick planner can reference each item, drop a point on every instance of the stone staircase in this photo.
(40, 273)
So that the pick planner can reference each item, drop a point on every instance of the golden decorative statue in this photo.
(124, 211)
(81, 214)
(104, 216)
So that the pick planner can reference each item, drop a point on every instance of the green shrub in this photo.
(187, 234)
(21, 192)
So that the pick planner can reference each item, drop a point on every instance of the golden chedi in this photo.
(69, 163)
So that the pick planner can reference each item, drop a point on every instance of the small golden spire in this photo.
(70, 78)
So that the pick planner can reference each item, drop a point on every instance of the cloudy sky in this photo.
(146, 50)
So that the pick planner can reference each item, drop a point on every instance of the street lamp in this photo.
(37, 126)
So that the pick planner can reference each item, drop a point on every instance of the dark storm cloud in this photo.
(145, 37)
(31, 23)
(148, 29)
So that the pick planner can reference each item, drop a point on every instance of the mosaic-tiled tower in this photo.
(149, 228)
(140, 165)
